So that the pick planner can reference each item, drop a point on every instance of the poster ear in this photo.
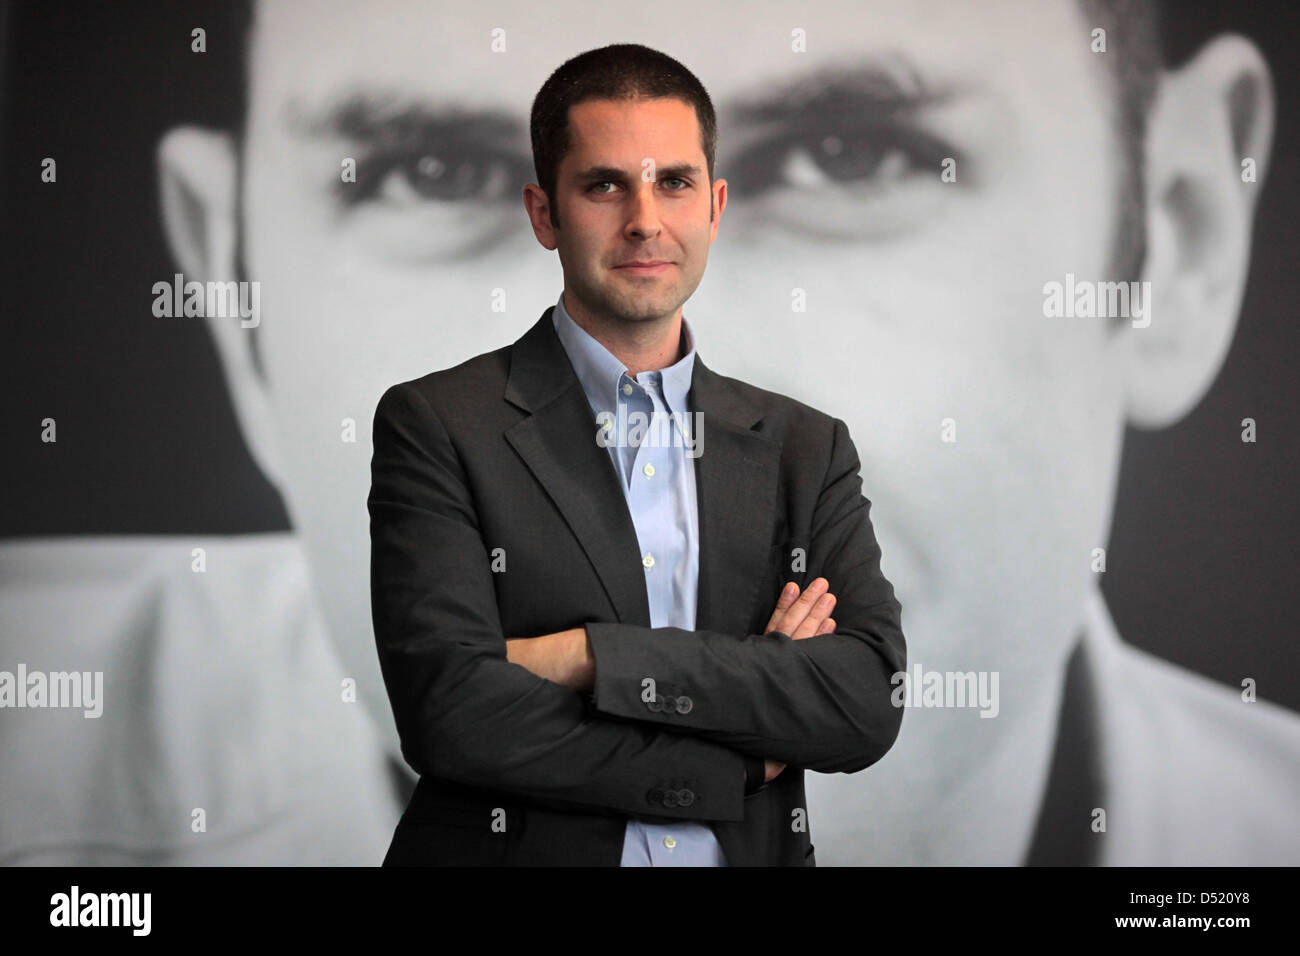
(198, 177)
(1209, 139)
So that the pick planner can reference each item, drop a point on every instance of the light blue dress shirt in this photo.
(658, 479)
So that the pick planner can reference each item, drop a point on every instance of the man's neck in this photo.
(645, 346)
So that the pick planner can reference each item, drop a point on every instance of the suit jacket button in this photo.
(670, 798)
(669, 704)
(684, 704)
(655, 705)
(655, 796)
(685, 797)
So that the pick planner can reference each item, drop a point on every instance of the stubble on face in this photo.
(609, 221)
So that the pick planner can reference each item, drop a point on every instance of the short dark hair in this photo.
(239, 22)
(620, 71)
(1134, 58)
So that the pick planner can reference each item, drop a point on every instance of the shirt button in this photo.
(670, 842)
(627, 388)
(648, 560)
(649, 471)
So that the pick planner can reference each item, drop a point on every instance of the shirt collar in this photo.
(1121, 725)
(600, 372)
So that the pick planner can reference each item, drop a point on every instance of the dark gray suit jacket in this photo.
(500, 452)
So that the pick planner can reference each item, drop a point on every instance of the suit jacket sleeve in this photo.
(463, 711)
(822, 703)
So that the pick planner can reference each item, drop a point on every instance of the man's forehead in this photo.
(332, 65)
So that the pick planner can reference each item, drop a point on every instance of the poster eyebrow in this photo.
(888, 85)
(389, 119)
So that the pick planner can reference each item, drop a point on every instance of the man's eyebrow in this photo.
(388, 121)
(884, 87)
(614, 174)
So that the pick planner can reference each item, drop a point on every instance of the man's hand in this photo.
(808, 616)
(563, 657)
(804, 615)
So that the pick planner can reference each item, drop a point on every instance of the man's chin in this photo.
(636, 314)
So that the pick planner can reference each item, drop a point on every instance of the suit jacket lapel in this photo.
(736, 482)
(558, 444)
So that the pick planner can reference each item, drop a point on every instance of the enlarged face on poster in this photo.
(988, 237)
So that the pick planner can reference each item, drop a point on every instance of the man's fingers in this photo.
(798, 612)
(788, 594)
(827, 627)
(816, 617)
(771, 769)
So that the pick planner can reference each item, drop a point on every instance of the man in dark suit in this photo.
(575, 626)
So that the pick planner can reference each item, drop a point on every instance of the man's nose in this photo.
(643, 211)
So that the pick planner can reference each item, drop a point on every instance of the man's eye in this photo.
(854, 184)
(872, 157)
(595, 187)
(465, 174)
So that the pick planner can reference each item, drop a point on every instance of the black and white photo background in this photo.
(1039, 255)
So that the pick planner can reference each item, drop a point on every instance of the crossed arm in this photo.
(467, 711)
(822, 702)
(565, 657)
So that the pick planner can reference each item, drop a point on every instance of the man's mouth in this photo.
(644, 267)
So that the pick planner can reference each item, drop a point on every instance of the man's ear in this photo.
(198, 177)
(538, 208)
(1211, 125)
